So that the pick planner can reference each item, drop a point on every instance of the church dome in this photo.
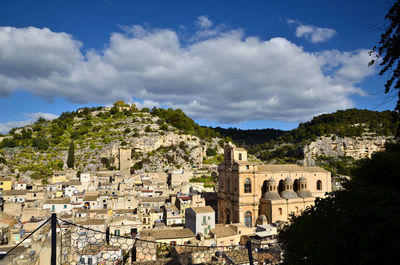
(262, 219)
(288, 180)
(272, 181)
(304, 193)
(289, 194)
(272, 195)
(302, 179)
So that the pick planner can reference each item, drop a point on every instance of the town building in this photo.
(248, 190)
(200, 219)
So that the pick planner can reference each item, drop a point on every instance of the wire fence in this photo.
(77, 244)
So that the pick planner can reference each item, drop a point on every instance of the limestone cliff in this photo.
(356, 147)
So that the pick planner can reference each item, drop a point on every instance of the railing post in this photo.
(108, 236)
(53, 239)
(248, 246)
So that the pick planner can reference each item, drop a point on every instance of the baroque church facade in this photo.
(249, 190)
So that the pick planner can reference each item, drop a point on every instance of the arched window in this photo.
(228, 216)
(319, 185)
(264, 187)
(247, 186)
(240, 156)
(247, 219)
(280, 187)
(228, 184)
(296, 185)
(280, 211)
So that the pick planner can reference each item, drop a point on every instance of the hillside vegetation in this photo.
(288, 146)
(168, 139)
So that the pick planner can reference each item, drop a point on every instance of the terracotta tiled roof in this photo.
(13, 192)
(204, 209)
(167, 233)
(222, 231)
(91, 222)
(57, 201)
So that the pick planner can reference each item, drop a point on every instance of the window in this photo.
(319, 185)
(247, 219)
(247, 167)
(53, 207)
(280, 211)
(65, 206)
(205, 231)
(116, 232)
(240, 156)
(90, 261)
(209, 218)
(204, 219)
(247, 186)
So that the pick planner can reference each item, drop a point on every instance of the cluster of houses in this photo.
(155, 207)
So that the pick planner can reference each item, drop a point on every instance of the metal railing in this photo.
(71, 243)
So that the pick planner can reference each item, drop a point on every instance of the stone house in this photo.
(59, 176)
(225, 235)
(200, 219)
(58, 205)
(6, 183)
(90, 213)
(20, 185)
(92, 202)
(125, 226)
(172, 236)
(172, 215)
(35, 195)
(14, 195)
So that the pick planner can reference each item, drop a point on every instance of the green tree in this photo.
(71, 155)
(387, 52)
(41, 143)
(357, 225)
(211, 151)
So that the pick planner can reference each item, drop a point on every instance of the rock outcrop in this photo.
(356, 147)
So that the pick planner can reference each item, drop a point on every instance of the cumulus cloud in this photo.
(7, 126)
(224, 76)
(312, 33)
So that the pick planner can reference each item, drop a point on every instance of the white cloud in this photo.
(7, 126)
(204, 22)
(37, 115)
(222, 76)
(312, 33)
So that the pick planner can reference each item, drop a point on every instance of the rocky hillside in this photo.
(157, 140)
(333, 146)
(334, 140)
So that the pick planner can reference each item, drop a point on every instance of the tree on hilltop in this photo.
(71, 155)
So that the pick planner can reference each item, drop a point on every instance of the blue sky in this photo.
(246, 64)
